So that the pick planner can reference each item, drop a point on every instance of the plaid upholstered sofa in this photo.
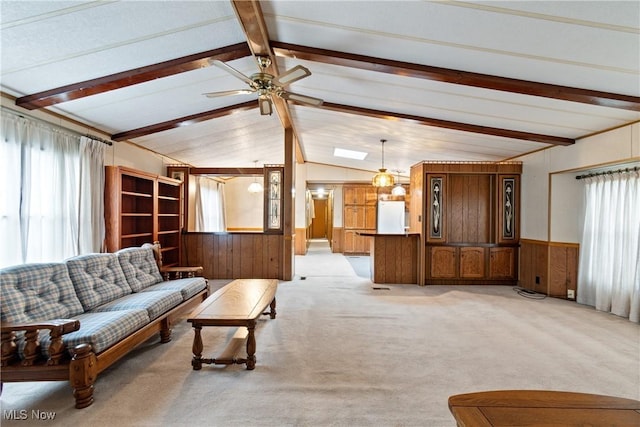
(72, 320)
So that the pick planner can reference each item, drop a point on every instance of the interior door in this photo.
(319, 222)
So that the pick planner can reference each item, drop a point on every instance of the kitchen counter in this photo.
(394, 257)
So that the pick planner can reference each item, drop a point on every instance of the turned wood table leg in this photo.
(272, 306)
(251, 345)
(196, 362)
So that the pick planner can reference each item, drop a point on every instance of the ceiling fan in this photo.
(266, 85)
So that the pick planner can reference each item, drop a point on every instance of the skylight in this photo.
(349, 154)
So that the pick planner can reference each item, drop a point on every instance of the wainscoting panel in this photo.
(549, 267)
(234, 255)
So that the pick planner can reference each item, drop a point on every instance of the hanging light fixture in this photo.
(255, 186)
(398, 190)
(382, 178)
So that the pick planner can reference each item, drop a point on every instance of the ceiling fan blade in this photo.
(229, 69)
(228, 92)
(296, 73)
(303, 99)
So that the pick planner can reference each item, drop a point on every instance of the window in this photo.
(52, 186)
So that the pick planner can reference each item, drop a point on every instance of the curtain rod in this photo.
(53, 125)
(589, 175)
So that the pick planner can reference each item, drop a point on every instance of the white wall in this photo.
(244, 209)
(551, 197)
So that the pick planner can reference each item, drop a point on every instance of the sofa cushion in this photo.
(100, 329)
(155, 303)
(188, 287)
(97, 278)
(36, 292)
(139, 266)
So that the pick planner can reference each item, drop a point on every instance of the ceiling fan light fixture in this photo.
(265, 105)
(267, 85)
(382, 178)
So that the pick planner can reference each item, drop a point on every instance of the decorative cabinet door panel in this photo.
(472, 263)
(443, 262)
(502, 263)
(354, 217)
(435, 208)
(508, 208)
(370, 217)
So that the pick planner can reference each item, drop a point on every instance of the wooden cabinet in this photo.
(443, 263)
(502, 263)
(359, 216)
(354, 243)
(472, 263)
(143, 208)
(468, 221)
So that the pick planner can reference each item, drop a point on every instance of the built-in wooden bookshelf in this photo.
(142, 208)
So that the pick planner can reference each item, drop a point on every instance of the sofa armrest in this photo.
(170, 273)
(57, 328)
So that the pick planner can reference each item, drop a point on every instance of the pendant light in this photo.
(398, 190)
(255, 186)
(382, 178)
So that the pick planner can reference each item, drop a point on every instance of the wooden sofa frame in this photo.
(83, 368)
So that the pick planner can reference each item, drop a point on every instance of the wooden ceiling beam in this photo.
(184, 121)
(131, 77)
(407, 69)
(464, 127)
(249, 13)
(227, 171)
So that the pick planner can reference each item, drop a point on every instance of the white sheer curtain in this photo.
(51, 192)
(209, 205)
(609, 271)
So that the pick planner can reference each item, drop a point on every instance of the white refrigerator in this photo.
(391, 217)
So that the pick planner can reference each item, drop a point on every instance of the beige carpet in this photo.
(342, 353)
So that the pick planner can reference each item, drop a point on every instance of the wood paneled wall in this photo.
(549, 267)
(395, 258)
(301, 241)
(234, 255)
(469, 206)
(337, 238)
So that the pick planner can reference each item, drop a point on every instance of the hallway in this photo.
(320, 261)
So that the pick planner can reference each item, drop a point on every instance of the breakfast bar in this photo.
(394, 257)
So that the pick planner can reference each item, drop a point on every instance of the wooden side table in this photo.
(542, 407)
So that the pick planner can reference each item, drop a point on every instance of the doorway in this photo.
(319, 222)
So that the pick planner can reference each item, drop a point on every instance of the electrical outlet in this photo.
(571, 294)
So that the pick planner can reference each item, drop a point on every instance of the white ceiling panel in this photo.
(588, 45)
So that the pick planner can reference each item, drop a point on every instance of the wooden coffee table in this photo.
(541, 407)
(239, 303)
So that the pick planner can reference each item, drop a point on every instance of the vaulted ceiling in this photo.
(443, 80)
